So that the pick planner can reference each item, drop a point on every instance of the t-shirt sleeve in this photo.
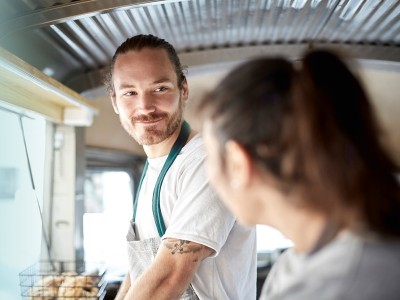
(199, 215)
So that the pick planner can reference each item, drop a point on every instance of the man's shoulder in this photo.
(195, 147)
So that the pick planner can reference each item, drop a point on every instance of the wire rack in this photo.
(63, 280)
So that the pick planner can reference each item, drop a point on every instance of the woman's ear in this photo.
(238, 164)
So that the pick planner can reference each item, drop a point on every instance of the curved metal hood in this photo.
(73, 41)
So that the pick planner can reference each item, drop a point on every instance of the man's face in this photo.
(147, 97)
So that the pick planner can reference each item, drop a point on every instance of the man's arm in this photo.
(171, 272)
(123, 289)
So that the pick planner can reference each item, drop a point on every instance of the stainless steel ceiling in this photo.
(73, 41)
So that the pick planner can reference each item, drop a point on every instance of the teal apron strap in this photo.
(176, 149)
(146, 165)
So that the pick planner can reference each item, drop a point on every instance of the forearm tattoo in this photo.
(181, 246)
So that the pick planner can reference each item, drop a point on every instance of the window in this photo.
(108, 209)
(20, 218)
(269, 239)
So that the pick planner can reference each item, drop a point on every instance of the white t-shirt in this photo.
(351, 267)
(192, 211)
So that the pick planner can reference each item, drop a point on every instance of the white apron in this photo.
(141, 253)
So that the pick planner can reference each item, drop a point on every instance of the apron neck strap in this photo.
(176, 149)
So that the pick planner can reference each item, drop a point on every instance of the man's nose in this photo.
(146, 103)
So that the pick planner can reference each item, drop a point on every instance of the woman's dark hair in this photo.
(313, 129)
(137, 43)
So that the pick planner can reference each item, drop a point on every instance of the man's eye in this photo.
(160, 89)
(130, 93)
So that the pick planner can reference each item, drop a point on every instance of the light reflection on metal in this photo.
(91, 30)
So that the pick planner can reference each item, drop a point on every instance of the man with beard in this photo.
(182, 241)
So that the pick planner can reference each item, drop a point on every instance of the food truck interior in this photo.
(67, 168)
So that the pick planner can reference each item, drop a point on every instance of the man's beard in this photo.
(151, 135)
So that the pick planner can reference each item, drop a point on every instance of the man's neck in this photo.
(163, 148)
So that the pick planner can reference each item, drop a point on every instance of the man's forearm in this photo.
(161, 283)
(172, 271)
(154, 287)
(123, 289)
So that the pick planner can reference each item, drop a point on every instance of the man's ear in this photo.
(114, 103)
(185, 90)
(238, 163)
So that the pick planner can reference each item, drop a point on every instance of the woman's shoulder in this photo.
(352, 266)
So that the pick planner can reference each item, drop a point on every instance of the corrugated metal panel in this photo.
(89, 31)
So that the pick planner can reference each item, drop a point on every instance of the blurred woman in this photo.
(297, 147)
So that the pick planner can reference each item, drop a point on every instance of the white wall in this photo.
(384, 90)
